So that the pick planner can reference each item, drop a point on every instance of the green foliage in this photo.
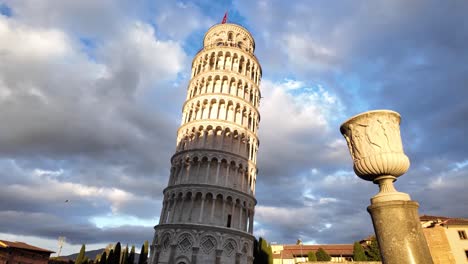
(111, 258)
(373, 252)
(146, 248)
(311, 256)
(143, 254)
(117, 252)
(322, 255)
(80, 259)
(131, 256)
(124, 257)
(263, 253)
(358, 252)
(103, 258)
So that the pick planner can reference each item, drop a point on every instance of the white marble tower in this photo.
(209, 203)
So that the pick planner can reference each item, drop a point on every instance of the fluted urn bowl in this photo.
(375, 145)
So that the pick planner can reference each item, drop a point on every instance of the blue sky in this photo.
(91, 95)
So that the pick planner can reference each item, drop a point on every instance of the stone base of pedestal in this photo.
(399, 232)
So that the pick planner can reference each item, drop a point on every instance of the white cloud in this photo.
(24, 42)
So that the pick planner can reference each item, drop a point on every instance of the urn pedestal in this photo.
(375, 146)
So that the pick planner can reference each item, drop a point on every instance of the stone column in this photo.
(238, 258)
(217, 171)
(240, 216)
(157, 250)
(187, 179)
(192, 198)
(201, 208)
(219, 254)
(399, 233)
(223, 220)
(251, 220)
(181, 209)
(228, 167)
(172, 253)
(375, 145)
(163, 209)
(207, 176)
(213, 203)
(194, 255)
(172, 216)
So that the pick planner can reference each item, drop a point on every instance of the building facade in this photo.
(447, 238)
(293, 254)
(209, 203)
(22, 253)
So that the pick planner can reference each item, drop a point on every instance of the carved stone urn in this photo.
(375, 145)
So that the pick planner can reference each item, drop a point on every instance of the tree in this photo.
(117, 251)
(373, 252)
(358, 252)
(256, 252)
(311, 256)
(262, 251)
(131, 256)
(143, 253)
(111, 258)
(81, 256)
(124, 258)
(270, 254)
(322, 255)
(103, 258)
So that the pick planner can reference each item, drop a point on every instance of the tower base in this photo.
(192, 244)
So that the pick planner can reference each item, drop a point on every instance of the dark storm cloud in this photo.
(406, 56)
(47, 225)
(102, 113)
(93, 131)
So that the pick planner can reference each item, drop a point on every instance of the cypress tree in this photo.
(143, 254)
(322, 255)
(270, 254)
(131, 256)
(263, 251)
(111, 258)
(103, 259)
(311, 256)
(146, 248)
(117, 251)
(358, 252)
(81, 256)
(124, 258)
(256, 252)
(373, 252)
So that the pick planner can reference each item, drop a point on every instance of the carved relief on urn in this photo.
(375, 145)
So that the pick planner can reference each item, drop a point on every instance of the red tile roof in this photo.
(432, 218)
(444, 220)
(21, 245)
(333, 250)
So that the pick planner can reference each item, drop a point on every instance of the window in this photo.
(462, 234)
(229, 221)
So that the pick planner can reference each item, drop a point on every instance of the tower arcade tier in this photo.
(209, 203)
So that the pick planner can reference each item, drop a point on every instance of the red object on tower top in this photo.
(224, 18)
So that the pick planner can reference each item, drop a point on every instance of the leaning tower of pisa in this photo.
(209, 203)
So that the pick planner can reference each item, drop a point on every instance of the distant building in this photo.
(291, 254)
(447, 238)
(22, 253)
